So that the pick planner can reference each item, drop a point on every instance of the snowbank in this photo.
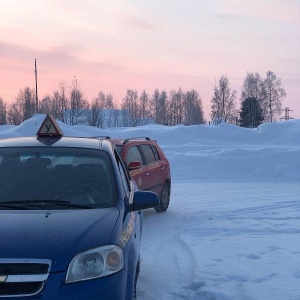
(207, 153)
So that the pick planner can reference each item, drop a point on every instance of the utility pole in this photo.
(287, 114)
(36, 91)
(73, 101)
(75, 88)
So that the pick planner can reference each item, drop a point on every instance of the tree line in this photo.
(261, 100)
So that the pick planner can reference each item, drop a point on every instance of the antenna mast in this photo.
(36, 91)
(287, 114)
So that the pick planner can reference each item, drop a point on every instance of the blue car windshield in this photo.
(56, 178)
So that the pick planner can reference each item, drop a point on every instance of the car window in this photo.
(148, 153)
(78, 176)
(156, 154)
(119, 148)
(134, 154)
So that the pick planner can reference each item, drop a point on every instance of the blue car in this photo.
(70, 219)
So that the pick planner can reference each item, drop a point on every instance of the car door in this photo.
(132, 221)
(153, 173)
(140, 175)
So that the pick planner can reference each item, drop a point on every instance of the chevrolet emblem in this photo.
(3, 278)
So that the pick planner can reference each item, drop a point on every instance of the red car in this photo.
(148, 166)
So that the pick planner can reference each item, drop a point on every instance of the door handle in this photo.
(146, 173)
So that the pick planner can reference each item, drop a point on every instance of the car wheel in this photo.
(164, 199)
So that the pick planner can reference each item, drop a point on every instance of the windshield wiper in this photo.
(7, 205)
(24, 204)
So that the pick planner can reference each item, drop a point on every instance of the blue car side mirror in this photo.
(143, 200)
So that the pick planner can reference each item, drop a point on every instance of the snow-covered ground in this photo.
(224, 241)
(233, 227)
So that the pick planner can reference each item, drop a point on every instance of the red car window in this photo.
(156, 154)
(134, 154)
(148, 153)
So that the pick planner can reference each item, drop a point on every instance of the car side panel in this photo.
(142, 178)
(156, 176)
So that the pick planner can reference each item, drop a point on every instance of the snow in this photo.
(232, 230)
(224, 240)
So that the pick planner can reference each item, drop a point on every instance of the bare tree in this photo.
(153, 105)
(158, 107)
(274, 93)
(3, 119)
(77, 111)
(101, 112)
(130, 109)
(193, 111)
(252, 87)
(223, 102)
(110, 106)
(56, 104)
(116, 119)
(23, 107)
(175, 107)
(14, 114)
(46, 105)
(96, 115)
(143, 108)
(61, 101)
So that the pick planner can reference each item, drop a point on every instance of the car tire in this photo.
(164, 199)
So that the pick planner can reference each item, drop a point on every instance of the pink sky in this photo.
(140, 44)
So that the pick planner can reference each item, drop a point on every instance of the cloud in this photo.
(63, 56)
(139, 23)
(17, 69)
(226, 16)
(267, 10)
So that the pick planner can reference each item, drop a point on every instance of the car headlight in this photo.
(94, 263)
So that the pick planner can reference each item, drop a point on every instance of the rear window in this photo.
(82, 177)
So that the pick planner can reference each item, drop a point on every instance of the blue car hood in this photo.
(57, 235)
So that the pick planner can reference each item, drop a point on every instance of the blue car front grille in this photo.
(23, 268)
(23, 277)
(20, 289)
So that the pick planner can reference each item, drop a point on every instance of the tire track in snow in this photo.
(172, 250)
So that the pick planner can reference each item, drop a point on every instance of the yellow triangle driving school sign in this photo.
(49, 127)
